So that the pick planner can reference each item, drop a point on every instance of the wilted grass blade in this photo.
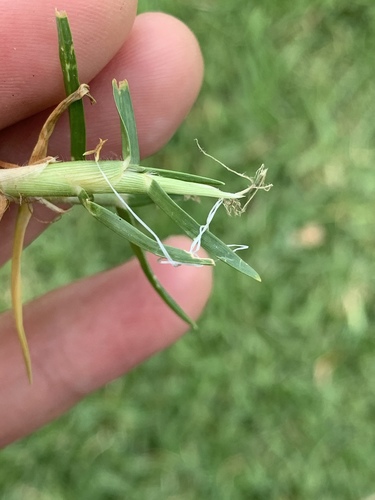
(23, 218)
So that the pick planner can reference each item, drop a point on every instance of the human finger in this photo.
(88, 333)
(30, 74)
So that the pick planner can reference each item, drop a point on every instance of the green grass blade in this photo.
(211, 243)
(71, 82)
(159, 289)
(138, 200)
(129, 135)
(181, 176)
(134, 235)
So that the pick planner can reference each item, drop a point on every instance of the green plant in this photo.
(123, 185)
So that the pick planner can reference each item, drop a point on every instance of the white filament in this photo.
(237, 248)
(196, 243)
(168, 258)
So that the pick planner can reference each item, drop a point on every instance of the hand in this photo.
(88, 333)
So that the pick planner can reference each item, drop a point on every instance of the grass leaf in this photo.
(211, 243)
(134, 235)
(129, 135)
(181, 176)
(71, 82)
(159, 289)
(23, 218)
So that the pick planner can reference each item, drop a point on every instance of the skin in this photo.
(81, 336)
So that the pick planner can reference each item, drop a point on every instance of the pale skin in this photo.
(93, 331)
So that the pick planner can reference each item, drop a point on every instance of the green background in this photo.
(274, 396)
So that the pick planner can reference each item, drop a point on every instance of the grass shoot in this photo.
(81, 181)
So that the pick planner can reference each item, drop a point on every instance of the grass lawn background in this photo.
(274, 396)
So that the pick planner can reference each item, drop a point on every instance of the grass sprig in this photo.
(122, 184)
(69, 68)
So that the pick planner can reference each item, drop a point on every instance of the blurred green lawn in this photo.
(274, 396)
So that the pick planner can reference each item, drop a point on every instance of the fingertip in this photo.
(175, 60)
(163, 64)
(88, 333)
(30, 73)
